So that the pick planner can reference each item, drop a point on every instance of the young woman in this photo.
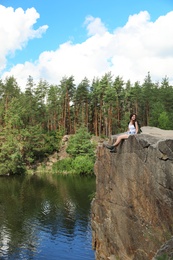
(132, 130)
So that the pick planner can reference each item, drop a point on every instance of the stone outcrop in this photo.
(132, 212)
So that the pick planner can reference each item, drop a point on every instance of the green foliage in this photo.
(163, 257)
(51, 142)
(36, 143)
(83, 165)
(164, 121)
(124, 122)
(156, 110)
(80, 165)
(11, 159)
(33, 122)
(63, 166)
(80, 144)
(59, 135)
(21, 148)
(81, 152)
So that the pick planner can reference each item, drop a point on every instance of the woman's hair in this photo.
(133, 115)
(134, 120)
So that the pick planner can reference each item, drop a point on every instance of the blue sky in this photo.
(49, 39)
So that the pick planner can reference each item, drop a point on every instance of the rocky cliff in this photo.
(132, 213)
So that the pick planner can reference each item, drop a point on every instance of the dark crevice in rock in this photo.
(165, 187)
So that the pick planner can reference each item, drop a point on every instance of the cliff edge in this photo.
(132, 212)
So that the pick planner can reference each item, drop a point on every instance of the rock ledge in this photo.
(132, 213)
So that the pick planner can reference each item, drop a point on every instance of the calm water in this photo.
(46, 218)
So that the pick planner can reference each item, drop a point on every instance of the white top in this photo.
(132, 129)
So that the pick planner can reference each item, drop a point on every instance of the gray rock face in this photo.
(132, 213)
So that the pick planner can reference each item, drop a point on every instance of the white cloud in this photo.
(16, 29)
(129, 52)
(94, 26)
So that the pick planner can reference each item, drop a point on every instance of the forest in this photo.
(33, 121)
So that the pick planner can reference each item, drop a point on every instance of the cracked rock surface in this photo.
(132, 212)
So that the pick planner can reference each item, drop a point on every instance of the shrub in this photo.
(82, 156)
(63, 166)
(80, 144)
(83, 165)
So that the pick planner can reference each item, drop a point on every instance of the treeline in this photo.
(103, 106)
(32, 121)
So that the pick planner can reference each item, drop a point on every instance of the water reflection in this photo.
(46, 217)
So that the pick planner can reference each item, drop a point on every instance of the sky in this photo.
(53, 39)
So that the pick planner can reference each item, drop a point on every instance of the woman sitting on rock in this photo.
(132, 130)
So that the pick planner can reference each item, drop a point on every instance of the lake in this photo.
(47, 217)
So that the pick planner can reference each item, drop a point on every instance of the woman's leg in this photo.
(119, 138)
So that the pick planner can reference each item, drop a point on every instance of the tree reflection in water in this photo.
(46, 217)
